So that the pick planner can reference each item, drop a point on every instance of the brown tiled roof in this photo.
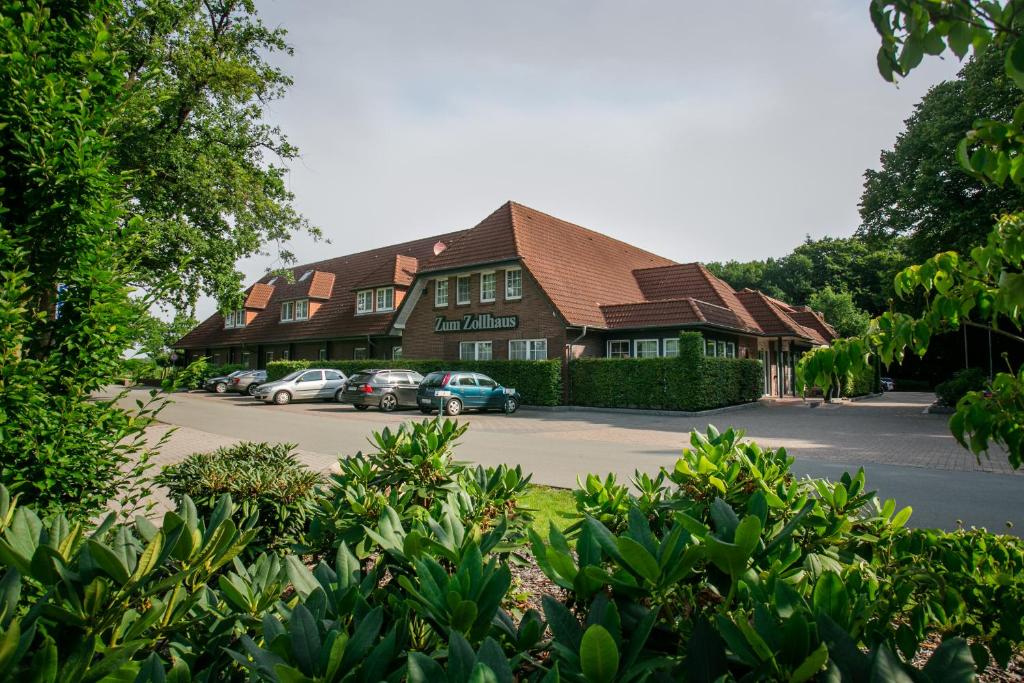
(814, 321)
(259, 295)
(773, 317)
(321, 284)
(336, 316)
(651, 313)
(491, 240)
(405, 269)
(693, 280)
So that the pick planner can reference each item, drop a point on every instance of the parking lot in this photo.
(908, 454)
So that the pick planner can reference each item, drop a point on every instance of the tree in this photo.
(840, 311)
(921, 192)
(986, 287)
(205, 170)
(65, 253)
(157, 337)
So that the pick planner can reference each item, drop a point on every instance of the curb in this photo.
(865, 397)
(642, 411)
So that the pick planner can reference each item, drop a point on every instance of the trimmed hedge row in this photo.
(690, 382)
(539, 381)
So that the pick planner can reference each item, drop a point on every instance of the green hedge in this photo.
(860, 383)
(539, 381)
(690, 382)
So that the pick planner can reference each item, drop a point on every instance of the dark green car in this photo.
(452, 392)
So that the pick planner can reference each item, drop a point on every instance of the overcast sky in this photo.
(700, 131)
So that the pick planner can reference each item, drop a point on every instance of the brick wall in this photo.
(537, 320)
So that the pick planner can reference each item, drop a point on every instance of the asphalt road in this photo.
(907, 454)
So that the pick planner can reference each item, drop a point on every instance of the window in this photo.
(467, 381)
(245, 358)
(364, 301)
(486, 382)
(302, 309)
(385, 298)
(234, 319)
(272, 280)
(480, 350)
(730, 350)
(488, 286)
(333, 375)
(359, 353)
(514, 283)
(618, 348)
(285, 355)
(312, 376)
(305, 276)
(462, 289)
(671, 346)
(528, 349)
(270, 356)
(645, 348)
(323, 354)
(721, 349)
(441, 292)
(287, 311)
(709, 347)
(396, 353)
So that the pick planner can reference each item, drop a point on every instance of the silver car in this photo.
(302, 385)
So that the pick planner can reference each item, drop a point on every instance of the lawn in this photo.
(549, 505)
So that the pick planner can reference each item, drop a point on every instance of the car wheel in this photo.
(453, 407)
(388, 402)
(511, 405)
(282, 398)
(251, 390)
(360, 407)
(426, 411)
(221, 387)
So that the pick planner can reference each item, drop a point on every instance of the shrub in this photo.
(859, 383)
(689, 382)
(539, 381)
(265, 480)
(952, 390)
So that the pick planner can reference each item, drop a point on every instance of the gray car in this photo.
(221, 384)
(302, 385)
(248, 382)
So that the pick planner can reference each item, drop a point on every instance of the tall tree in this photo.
(206, 170)
(920, 190)
(840, 311)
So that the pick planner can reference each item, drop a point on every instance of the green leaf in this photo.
(810, 666)
(1014, 63)
(830, 598)
(951, 662)
(638, 559)
(108, 561)
(599, 655)
(305, 639)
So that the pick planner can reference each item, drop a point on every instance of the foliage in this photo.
(265, 480)
(538, 381)
(65, 253)
(724, 565)
(920, 191)
(864, 268)
(207, 170)
(984, 288)
(690, 381)
(412, 479)
(952, 390)
(840, 311)
(157, 337)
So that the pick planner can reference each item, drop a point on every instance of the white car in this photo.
(888, 384)
(302, 385)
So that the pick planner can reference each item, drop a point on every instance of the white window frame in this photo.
(286, 355)
(493, 277)
(458, 290)
(441, 285)
(509, 272)
(287, 311)
(636, 348)
(396, 353)
(664, 347)
(356, 355)
(532, 349)
(476, 346)
(322, 355)
(303, 306)
(712, 346)
(730, 349)
(364, 301)
(245, 358)
(385, 306)
(270, 356)
(721, 349)
(608, 348)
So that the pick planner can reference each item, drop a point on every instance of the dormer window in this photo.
(364, 301)
(292, 311)
(234, 319)
(385, 299)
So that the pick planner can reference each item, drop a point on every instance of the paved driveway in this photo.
(908, 454)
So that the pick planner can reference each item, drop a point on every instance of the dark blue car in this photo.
(451, 392)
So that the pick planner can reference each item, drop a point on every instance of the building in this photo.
(519, 285)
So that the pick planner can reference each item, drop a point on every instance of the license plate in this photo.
(353, 389)
(424, 400)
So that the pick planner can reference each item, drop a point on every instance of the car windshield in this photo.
(434, 379)
(291, 375)
(360, 378)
